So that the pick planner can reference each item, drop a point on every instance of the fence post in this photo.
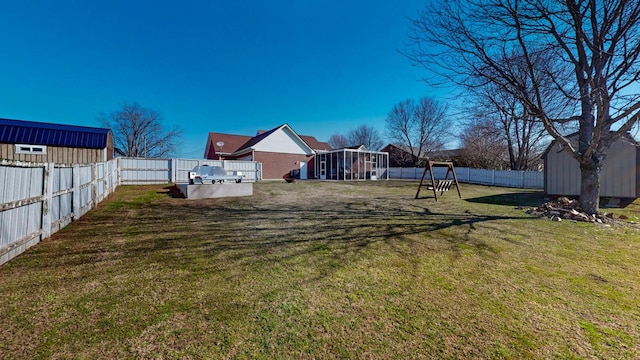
(47, 188)
(105, 180)
(173, 164)
(493, 177)
(117, 179)
(94, 185)
(76, 192)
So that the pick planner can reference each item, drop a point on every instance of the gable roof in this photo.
(262, 136)
(256, 139)
(38, 133)
(238, 144)
(232, 143)
(311, 141)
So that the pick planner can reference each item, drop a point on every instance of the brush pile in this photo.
(566, 209)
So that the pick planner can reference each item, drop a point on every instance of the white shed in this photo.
(619, 177)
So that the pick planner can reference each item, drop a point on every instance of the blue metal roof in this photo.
(37, 133)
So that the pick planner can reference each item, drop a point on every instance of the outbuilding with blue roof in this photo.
(61, 144)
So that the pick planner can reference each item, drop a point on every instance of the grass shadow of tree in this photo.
(239, 232)
(525, 198)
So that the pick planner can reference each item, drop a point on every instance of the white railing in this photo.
(505, 178)
(37, 200)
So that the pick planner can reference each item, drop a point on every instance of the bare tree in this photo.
(338, 141)
(523, 135)
(419, 128)
(138, 132)
(367, 136)
(483, 145)
(594, 47)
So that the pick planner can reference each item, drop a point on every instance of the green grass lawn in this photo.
(324, 270)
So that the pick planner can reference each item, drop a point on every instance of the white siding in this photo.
(283, 141)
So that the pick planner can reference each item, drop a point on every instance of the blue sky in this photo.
(323, 67)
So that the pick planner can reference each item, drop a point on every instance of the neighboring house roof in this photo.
(240, 144)
(406, 149)
(445, 154)
(439, 154)
(38, 133)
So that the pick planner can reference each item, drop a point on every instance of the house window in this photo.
(30, 149)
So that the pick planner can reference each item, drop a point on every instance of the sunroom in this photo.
(354, 163)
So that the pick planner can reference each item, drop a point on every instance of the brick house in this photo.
(281, 151)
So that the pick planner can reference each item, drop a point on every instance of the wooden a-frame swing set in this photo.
(439, 185)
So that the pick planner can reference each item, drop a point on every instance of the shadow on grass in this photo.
(273, 233)
(533, 198)
(220, 235)
(172, 191)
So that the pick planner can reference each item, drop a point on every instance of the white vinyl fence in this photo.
(37, 200)
(506, 178)
(139, 171)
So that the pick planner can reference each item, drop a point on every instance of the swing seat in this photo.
(444, 185)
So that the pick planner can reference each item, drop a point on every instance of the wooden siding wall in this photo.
(58, 155)
(618, 177)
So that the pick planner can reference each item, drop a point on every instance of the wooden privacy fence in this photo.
(505, 178)
(37, 200)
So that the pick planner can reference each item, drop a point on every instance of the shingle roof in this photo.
(38, 133)
(232, 143)
(235, 143)
(315, 144)
(256, 139)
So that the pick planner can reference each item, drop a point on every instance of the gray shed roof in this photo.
(37, 133)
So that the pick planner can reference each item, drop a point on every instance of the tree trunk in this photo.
(590, 186)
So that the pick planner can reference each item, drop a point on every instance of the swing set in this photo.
(439, 185)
